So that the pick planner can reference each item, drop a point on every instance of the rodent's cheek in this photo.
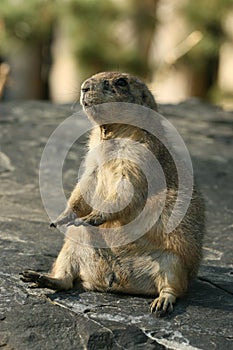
(83, 102)
(86, 99)
(96, 97)
(82, 99)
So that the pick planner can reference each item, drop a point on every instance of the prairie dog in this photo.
(155, 263)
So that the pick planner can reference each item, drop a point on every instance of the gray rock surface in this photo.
(41, 319)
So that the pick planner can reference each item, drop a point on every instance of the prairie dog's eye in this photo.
(121, 82)
(106, 84)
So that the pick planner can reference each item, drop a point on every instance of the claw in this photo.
(38, 280)
(163, 304)
(93, 220)
(63, 219)
(71, 220)
(33, 277)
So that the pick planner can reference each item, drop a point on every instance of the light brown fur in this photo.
(155, 263)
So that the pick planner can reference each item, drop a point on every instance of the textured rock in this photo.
(40, 319)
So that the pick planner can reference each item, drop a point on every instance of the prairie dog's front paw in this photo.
(64, 218)
(93, 219)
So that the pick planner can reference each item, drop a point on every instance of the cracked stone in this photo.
(34, 319)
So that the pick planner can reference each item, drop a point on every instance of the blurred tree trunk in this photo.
(29, 72)
(203, 60)
(204, 79)
(25, 82)
(144, 23)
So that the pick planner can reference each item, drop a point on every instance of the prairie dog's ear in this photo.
(122, 82)
(148, 99)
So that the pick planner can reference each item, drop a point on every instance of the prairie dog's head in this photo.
(108, 87)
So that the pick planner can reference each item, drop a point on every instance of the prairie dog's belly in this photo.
(101, 270)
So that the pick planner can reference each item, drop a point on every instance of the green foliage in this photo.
(206, 13)
(91, 23)
(25, 21)
(92, 29)
(97, 47)
(207, 17)
(116, 35)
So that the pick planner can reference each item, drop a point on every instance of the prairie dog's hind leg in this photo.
(164, 303)
(41, 280)
(171, 282)
(63, 274)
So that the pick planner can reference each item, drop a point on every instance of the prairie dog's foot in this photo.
(39, 280)
(68, 216)
(162, 304)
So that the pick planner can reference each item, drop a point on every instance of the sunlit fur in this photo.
(155, 264)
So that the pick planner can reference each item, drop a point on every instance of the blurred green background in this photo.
(181, 48)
